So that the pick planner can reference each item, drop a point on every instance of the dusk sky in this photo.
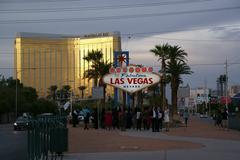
(208, 30)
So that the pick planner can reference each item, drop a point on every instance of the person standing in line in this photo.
(124, 120)
(121, 117)
(186, 117)
(115, 118)
(153, 119)
(102, 118)
(74, 118)
(160, 118)
(219, 119)
(224, 119)
(166, 119)
(86, 120)
(139, 119)
(145, 114)
(95, 118)
(108, 120)
(149, 118)
(129, 119)
(157, 120)
(134, 120)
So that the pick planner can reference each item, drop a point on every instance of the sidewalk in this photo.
(90, 141)
(197, 140)
(198, 128)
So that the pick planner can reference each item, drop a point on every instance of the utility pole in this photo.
(226, 87)
(205, 93)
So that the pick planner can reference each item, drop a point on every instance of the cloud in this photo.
(229, 33)
(204, 46)
(193, 31)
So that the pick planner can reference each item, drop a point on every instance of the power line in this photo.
(197, 40)
(62, 1)
(42, 1)
(145, 34)
(106, 7)
(196, 64)
(162, 38)
(118, 17)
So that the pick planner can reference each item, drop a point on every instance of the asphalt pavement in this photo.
(13, 144)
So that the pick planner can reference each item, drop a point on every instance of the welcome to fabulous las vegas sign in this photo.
(131, 78)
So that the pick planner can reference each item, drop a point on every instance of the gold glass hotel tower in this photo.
(43, 60)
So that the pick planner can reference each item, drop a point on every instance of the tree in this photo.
(94, 58)
(176, 66)
(65, 91)
(52, 92)
(162, 51)
(98, 69)
(82, 88)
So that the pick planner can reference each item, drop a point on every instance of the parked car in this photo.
(21, 123)
(203, 116)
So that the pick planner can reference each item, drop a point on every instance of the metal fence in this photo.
(47, 137)
(234, 122)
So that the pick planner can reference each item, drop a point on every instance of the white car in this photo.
(203, 116)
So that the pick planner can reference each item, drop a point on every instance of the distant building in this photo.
(233, 90)
(42, 60)
(198, 96)
(183, 97)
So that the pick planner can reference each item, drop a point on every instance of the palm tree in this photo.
(63, 93)
(175, 53)
(82, 88)
(52, 92)
(162, 51)
(98, 69)
(94, 58)
(176, 66)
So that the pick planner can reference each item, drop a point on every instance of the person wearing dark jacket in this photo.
(224, 114)
(86, 120)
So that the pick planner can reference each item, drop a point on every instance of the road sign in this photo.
(131, 78)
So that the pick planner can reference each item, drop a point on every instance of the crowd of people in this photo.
(118, 118)
(153, 118)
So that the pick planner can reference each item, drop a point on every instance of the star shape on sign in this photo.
(121, 59)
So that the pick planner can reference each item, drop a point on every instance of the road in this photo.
(13, 144)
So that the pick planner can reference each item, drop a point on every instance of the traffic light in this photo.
(209, 97)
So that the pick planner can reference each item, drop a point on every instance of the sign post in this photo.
(97, 93)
